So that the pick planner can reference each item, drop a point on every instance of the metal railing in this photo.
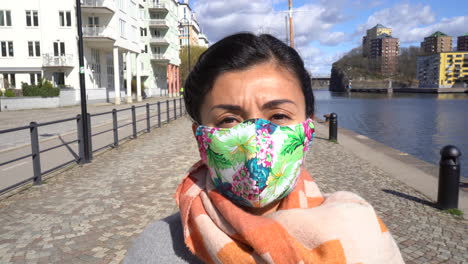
(157, 22)
(49, 60)
(95, 31)
(92, 3)
(159, 57)
(158, 40)
(153, 111)
(157, 5)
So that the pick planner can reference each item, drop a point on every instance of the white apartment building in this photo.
(189, 27)
(38, 39)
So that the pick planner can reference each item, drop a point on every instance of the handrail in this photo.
(33, 127)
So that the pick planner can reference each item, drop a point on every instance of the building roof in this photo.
(438, 34)
(380, 26)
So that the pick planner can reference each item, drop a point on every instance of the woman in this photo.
(249, 200)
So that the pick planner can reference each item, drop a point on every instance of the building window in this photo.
(6, 48)
(35, 78)
(9, 80)
(65, 18)
(59, 78)
(34, 49)
(122, 28)
(59, 48)
(5, 18)
(32, 18)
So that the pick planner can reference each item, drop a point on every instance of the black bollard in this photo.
(449, 177)
(333, 126)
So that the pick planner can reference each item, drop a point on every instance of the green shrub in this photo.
(1, 93)
(44, 89)
(10, 93)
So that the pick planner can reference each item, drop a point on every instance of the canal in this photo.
(418, 124)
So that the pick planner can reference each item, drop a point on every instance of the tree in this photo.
(195, 52)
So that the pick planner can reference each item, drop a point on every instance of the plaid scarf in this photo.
(306, 228)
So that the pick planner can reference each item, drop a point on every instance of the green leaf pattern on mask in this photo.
(236, 146)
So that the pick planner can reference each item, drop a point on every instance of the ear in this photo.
(194, 128)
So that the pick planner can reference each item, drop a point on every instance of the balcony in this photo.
(158, 41)
(160, 58)
(62, 61)
(98, 33)
(98, 6)
(158, 7)
(158, 23)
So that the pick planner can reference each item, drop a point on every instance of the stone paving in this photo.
(92, 213)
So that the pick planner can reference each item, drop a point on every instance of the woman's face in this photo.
(265, 91)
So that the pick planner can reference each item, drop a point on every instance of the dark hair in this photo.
(238, 52)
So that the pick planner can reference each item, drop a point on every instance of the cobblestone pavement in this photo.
(91, 213)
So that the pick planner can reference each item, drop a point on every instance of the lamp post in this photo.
(84, 111)
(186, 23)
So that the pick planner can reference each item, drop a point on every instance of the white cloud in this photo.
(312, 22)
(411, 23)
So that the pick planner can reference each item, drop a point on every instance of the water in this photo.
(418, 124)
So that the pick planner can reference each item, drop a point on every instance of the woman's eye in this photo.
(280, 117)
(228, 121)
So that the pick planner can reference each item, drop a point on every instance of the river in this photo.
(418, 124)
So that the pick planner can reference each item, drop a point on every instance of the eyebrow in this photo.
(273, 103)
(267, 105)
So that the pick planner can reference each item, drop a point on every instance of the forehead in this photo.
(261, 82)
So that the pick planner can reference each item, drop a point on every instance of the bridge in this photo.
(320, 81)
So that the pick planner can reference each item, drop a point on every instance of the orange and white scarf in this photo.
(307, 227)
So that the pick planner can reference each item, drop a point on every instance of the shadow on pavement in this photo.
(411, 198)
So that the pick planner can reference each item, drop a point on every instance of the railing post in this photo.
(333, 127)
(159, 114)
(134, 122)
(449, 177)
(90, 154)
(80, 139)
(180, 105)
(175, 109)
(148, 124)
(36, 158)
(167, 112)
(115, 128)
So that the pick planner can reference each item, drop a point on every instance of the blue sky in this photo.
(327, 29)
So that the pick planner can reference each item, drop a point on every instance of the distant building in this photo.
(384, 50)
(443, 70)
(435, 43)
(462, 43)
(373, 33)
(203, 40)
(189, 27)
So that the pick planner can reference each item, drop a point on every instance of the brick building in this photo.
(383, 54)
(436, 43)
(462, 43)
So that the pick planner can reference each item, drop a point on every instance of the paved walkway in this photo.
(91, 213)
(11, 119)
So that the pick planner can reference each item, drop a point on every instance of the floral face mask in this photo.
(256, 162)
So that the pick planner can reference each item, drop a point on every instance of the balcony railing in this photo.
(160, 6)
(92, 3)
(158, 40)
(96, 31)
(49, 60)
(159, 57)
(157, 22)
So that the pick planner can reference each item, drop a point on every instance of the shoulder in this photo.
(161, 242)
